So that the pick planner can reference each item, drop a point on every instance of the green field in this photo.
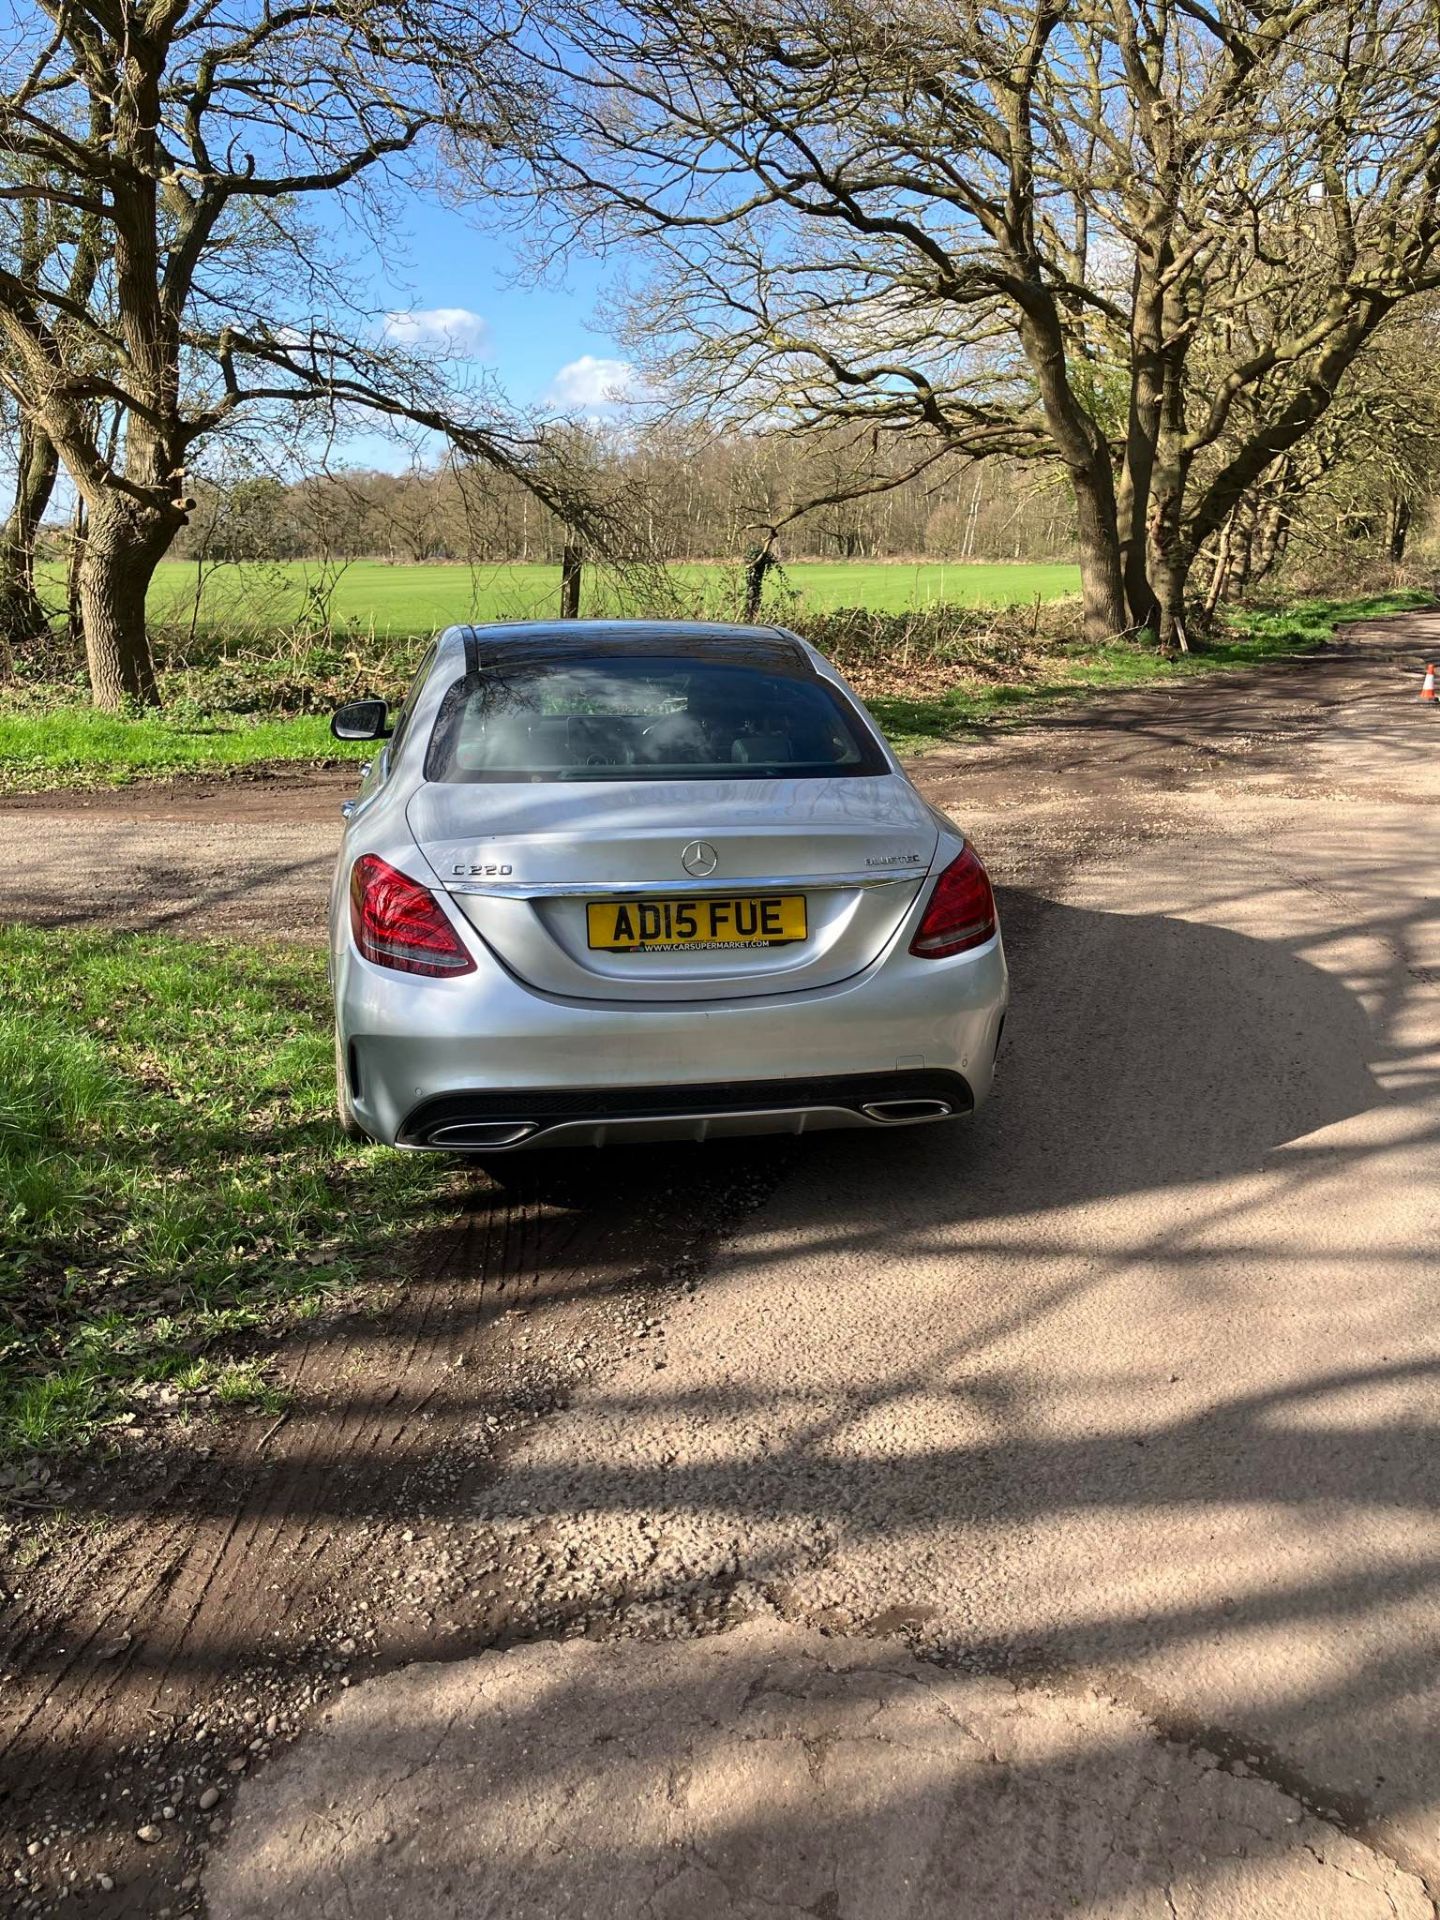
(401, 600)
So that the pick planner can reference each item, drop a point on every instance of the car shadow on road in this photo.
(1141, 1051)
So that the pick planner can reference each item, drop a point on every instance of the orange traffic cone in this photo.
(1427, 690)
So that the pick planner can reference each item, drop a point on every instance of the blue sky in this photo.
(444, 276)
(447, 279)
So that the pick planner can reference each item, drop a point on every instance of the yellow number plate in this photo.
(709, 921)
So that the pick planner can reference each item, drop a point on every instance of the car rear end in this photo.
(653, 882)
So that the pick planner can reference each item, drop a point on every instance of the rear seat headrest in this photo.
(751, 747)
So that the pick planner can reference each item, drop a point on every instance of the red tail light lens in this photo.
(399, 923)
(961, 913)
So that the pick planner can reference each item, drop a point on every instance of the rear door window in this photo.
(647, 717)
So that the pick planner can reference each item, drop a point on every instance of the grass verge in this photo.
(173, 1185)
(964, 701)
(71, 745)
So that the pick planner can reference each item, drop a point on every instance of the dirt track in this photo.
(235, 859)
(1134, 1380)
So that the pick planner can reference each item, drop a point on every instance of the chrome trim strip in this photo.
(676, 889)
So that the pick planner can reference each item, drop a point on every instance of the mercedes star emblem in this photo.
(699, 859)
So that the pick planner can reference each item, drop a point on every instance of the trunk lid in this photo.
(523, 861)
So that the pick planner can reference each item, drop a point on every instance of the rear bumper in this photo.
(492, 1122)
(420, 1054)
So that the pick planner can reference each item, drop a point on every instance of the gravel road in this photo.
(1128, 1392)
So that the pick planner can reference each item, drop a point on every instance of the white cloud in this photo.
(592, 381)
(455, 329)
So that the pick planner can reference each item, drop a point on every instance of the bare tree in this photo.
(1272, 179)
(1357, 481)
(848, 473)
(840, 208)
(1078, 230)
(186, 136)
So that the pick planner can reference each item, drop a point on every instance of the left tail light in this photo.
(398, 923)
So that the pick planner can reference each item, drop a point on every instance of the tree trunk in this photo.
(1169, 562)
(1242, 552)
(757, 566)
(1270, 527)
(570, 575)
(124, 543)
(1102, 582)
(22, 617)
(1400, 528)
(1169, 571)
(1141, 603)
(1081, 445)
(1142, 436)
(79, 523)
(1170, 554)
(1220, 572)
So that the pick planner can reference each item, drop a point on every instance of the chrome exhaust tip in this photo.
(897, 1112)
(475, 1134)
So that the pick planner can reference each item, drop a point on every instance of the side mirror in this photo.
(361, 720)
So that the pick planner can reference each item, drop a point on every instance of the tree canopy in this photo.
(1145, 238)
(164, 156)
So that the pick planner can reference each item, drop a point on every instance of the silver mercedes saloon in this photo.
(612, 881)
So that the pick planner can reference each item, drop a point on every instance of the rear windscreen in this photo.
(647, 718)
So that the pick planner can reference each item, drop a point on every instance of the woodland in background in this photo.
(692, 498)
(1364, 503)
(1362, 494)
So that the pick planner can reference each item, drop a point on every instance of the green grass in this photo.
(398, 602)
(73, 745)
(1253, 637)
(172, 1180)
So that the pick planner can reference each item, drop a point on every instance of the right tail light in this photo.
(961, 913)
